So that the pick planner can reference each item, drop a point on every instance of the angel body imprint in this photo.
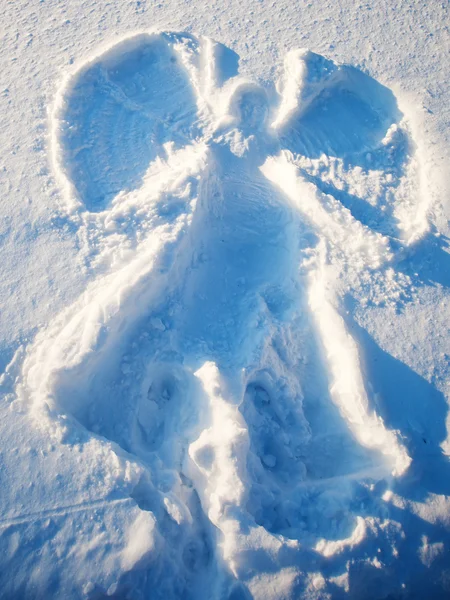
(214, 349)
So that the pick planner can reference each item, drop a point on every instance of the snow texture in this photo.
(211, 374)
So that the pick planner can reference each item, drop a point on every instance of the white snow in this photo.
(225, 301)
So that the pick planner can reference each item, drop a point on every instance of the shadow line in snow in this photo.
(410, 404)
(428, 261)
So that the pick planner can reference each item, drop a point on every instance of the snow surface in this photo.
(225, 305)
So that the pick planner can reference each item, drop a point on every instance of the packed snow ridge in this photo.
(225, 225)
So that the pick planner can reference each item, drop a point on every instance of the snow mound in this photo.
(224, 230)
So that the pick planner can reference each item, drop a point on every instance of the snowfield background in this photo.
(224, 300)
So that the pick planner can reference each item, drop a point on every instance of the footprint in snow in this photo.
(231, 219)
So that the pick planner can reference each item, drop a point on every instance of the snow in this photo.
(225, 300)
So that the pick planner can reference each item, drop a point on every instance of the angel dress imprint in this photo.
(229, 220)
